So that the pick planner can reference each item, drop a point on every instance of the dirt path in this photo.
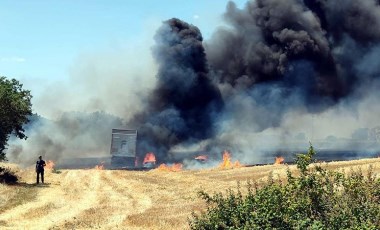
(73, 196)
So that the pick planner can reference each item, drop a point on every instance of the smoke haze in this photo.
(278, 74)
(113, 80)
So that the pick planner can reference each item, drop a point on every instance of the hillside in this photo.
(115, 199)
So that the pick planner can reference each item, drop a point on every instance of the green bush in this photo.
(315, 199)
(7, 176)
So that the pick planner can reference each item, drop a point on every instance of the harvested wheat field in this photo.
(116, 199)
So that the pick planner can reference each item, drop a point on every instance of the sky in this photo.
(41, 40)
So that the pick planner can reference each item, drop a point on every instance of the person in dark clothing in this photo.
(40, 164)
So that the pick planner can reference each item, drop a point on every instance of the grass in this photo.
(85, 199)
(15, 195)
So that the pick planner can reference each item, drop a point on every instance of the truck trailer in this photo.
(123, 148)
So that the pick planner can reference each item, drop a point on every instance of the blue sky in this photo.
(40, 39)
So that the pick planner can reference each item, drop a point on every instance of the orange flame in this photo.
(279, 160)
(49, 165)
(237, 164)
(149, 158)
(174, 168)
(226, 160)
(177, 167)
(227, 163)
(100, 166)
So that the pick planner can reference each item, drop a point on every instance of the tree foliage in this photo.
(314, 199)
(15, 108)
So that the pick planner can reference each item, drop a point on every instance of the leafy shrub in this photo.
(7, 176)
(316, 199)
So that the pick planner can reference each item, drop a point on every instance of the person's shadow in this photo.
(30, 185)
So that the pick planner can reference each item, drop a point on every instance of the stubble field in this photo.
(117, 199)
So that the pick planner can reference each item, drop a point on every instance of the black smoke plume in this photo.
(284, 54)
(272, 58)
(184, 103)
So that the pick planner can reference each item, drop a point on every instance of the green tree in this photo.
(15, 108)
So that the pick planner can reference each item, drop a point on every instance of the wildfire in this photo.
(100, 166)
(149, 158)
(50, 165)
(279, 160)
(227, 163)
(237, 164)
(173, 168)
(226, 160)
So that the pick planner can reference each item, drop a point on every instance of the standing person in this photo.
(40, 164)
